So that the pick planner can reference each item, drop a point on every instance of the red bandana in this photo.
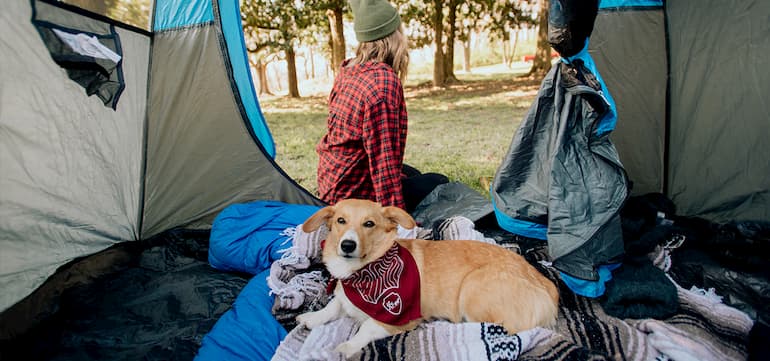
(387, 289)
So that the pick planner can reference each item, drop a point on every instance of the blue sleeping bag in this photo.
(248, 238)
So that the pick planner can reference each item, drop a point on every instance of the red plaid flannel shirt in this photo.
(363, 150)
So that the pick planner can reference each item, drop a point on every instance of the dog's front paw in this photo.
(311, 319)
(348, 349)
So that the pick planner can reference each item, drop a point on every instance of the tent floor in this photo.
(158, 307)
(163, 299)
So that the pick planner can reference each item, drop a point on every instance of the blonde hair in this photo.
(392, 50)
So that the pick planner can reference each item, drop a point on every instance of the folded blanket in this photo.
(430, 341)
(703, 328)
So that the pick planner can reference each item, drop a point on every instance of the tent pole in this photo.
(667, 120)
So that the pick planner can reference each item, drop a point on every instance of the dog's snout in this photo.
(348, 246)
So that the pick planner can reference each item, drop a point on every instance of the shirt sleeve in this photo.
(384, 138)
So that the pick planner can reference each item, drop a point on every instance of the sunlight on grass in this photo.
(462, 131)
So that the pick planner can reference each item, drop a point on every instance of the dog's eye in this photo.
(368, 224)
(341, 220)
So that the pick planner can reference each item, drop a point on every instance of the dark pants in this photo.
(417, 185)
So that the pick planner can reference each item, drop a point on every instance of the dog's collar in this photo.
(388, 289)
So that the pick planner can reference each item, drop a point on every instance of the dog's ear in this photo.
(317, 219)
(399, 216)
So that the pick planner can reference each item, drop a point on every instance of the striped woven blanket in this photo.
(703, 329)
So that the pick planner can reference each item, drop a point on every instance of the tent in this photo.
(562, 180)
(691, 90)
(183, 138)
(142, 132)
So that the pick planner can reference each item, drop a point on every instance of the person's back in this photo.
(362, 152)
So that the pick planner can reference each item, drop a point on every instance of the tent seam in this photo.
(239, 103)
(667, 106)
(146, 126)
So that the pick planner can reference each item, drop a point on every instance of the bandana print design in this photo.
(387, 289)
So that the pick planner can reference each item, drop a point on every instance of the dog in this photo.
(390, 285)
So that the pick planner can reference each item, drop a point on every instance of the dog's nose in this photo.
(348, 246)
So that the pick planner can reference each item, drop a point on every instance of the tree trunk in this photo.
(337, 37)
(439, 75)
(278, 80)
(542, 62)
(312, 64)
(467, 55)
(449, 55)
(515, 42)
(332, 58)
(506, 51)
(264, 86)
(291, 64)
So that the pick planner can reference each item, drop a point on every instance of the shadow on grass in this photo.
(462, 130)
(475, 87)
(480, 86)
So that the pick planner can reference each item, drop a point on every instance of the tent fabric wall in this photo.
(690, 81)
(230, 20)
(719, 166)
(200, 154)
(180, 14)
(78, 177)
(70, 166)
(629, 48)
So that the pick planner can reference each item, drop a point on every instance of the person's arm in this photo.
(384, 137)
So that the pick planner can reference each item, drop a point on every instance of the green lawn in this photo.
(462, 131)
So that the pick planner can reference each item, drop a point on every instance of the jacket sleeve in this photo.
(384, 138)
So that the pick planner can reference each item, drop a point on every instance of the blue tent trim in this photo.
(171, 14)
(608, 122)
(587, 288)
(614, 4)
(174, 14)
(230, 15)
(520, 227)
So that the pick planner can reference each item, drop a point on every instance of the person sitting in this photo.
(362, 153)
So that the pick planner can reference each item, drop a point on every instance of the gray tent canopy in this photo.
(182, 138)
(692, 122)
(691, 86)
(181, 135)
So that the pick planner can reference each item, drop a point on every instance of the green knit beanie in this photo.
(374, 19)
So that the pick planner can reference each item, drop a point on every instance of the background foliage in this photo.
(461, 131)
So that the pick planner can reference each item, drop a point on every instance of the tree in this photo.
(504, 17)
(259, 61)
(439, 75)
(97, 6)
(469, 21)
(134, 12)
(258, 44)
(542, 62)
(334, 13)
(425, 25)
(449, 52)
(326, 20)
(277, 25)
(442, 22)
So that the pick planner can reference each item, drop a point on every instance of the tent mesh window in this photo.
(91, 55)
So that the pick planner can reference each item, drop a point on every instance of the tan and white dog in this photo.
(455, 280)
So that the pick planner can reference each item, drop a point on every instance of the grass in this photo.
(462, 131)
